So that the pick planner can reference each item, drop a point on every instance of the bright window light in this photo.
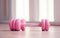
(22, 9)
(46, 10)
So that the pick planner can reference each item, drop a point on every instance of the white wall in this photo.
(2, 17)
(1, 10)
(34, 10)
(13, 8)
(5, 18)
(57, 10)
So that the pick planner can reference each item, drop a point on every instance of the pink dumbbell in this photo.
(47, 24)
(17, 25)
(43, 25)
(22, 24)
(11, 24)
(14, 25)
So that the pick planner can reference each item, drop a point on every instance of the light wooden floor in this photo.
(31, 32)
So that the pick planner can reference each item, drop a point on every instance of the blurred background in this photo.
(30, 10)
